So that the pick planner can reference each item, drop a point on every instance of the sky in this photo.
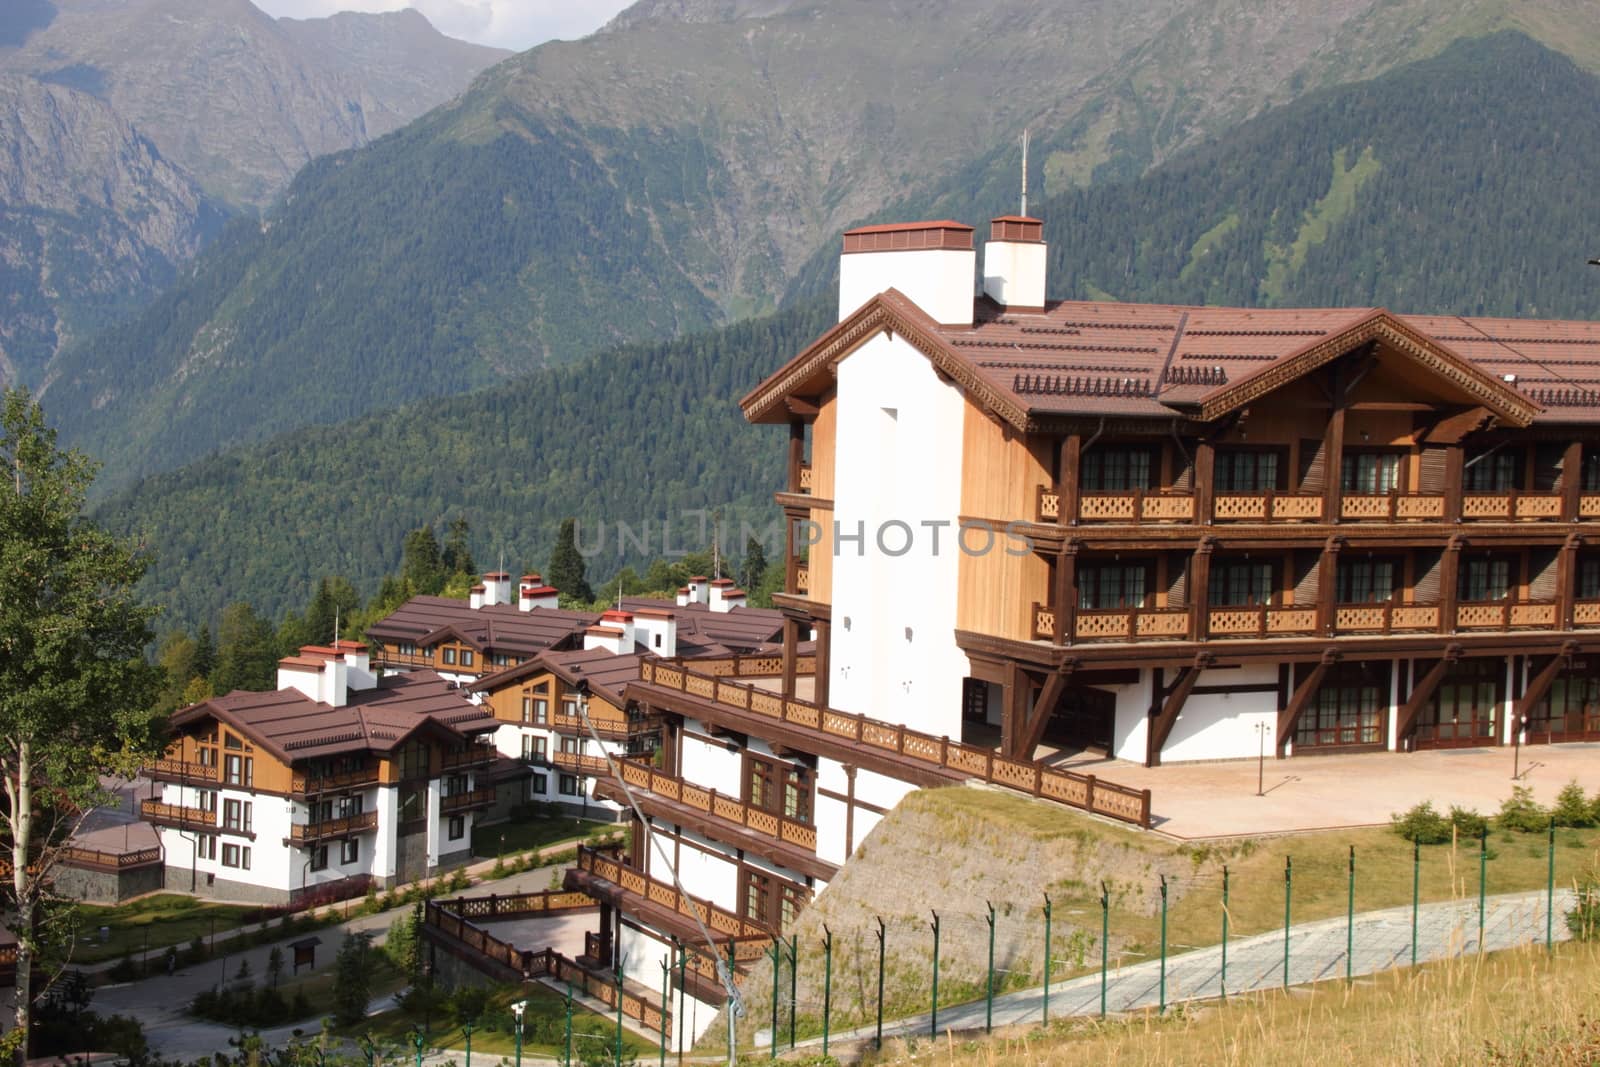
(514, 24)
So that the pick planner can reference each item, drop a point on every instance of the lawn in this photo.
(1519, 1007)
(543, 1027)
(526, 835)
(152, 922)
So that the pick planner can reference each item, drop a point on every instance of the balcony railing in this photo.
(177, 815)
(344, 827)
(302, 784)
(726, 809)
(386, 657)
(1586, 613)
(1390, 507)
(665, 894)
(1386, 618)
(905, 746)
(757, 666)
(1266, 507)
(802, 580)
(574, 763)
(1506, 615)
(805, 478)
(96, 859)
(1511, 506)
(459, 802)
(474, 755)
(575, 726)
(1136, 506)
(177, 770)
(1130, 624)
(1260, 621)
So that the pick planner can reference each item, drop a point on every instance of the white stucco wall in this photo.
(939, 281)
(1013, 273)
(894, 655)
(642, 955)
(1223, 725)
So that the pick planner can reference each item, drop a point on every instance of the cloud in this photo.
(516, 24)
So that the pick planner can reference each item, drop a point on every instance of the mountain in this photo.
(1443, 186)
(683, 168)
(131, 128)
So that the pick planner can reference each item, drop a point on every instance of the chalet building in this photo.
(464, 640)
(335, 782)
(1176, 533)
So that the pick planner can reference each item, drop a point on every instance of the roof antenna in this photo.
(716, 545)
(336, 626)
(1024, 173)
(619, 592)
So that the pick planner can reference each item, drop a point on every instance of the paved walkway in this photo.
(1316, 953)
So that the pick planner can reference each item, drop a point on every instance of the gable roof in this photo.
(607, 673)
(502, 628)
(1086, 358)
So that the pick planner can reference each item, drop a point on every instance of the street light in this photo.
(1262, 729)
(1520, 725)
(517, 1009)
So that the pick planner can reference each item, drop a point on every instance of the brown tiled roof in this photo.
(293, 727)
(741, 628)
(501, 628)
(1084, 358)
(606, 672)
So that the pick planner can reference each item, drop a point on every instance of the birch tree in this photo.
(75, 690)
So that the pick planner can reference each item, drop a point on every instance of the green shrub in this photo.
(1522, 814)
(1467, 822)
(197, 952)
(1422, 824)
(125, 970)
(1572, 807)
(1584, 918)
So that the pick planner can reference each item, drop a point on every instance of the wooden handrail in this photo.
(728, 809)
(303, 783)
(461, 801)
(349, 824)
(665, 894)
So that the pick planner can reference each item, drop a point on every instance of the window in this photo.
(538, 786)
(1342, 714)
(1365, 581)
(1114, 469)
(206, 846)
(413, 805)
(1485, 579)
(533, 747)
(791, 898)
(756, 900)
(500, 659)
(568, 785)
(1246, 471)
(239, 770)
(458, 827)
(414, 760)
(1491, 472)
(319, 858)
(759, 778)
(796, 795)
(535, 710)
(1240, 583)
(1589, 579)
(1104, 586)
(349, 850)
(569, 707)
(207, 800)
(455, 785)
(778, 787)
(349, 807)
(230, 741)
(466, 657)
(1370, 472)
(572, 746)
(236, 856)
(206, 756)
(406, 648)
(236, 815)
(449, 656)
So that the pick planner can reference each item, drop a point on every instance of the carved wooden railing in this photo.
(724, 808)
(1589, 506)
(303, 784)
(1260, 621)
(1136, 506)
(475, 754)
(517, 905)
(806, 480)
(1385, 618)
(1506, 615)
(1386, 507)
(1048, 505)
(342, 827)
(610, 731)
(1083, 791)
(802, 580)
(1511, 506)
(758, 666)
(177, 770)
(1044, 622)
(574, 763)
(664, 894)
(177, 815)
(1586, 613)
(1266, 507)
(457, 802)
(1143, 624)
(100, 860)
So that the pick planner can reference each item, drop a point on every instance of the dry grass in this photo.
(1519, 1008)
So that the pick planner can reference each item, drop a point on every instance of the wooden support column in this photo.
(849, 808)
(791, 638)
(1199, 589)
(1289, 717)
(1539, 686)
(1165, 716)
(1205, 480)
(791, 553)
(1067, 461)
(819, 694)
(797, 452)
(1455, 476)
(1014, 717)
(1571, 480)
(1032, 731)
(1421, 694)
(1450, 584)
(1066, 592)
(1567, 580)
(1328, 586)
(1333, 455)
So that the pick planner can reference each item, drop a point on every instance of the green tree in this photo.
(75, 689)
(205, 652)
(566, 570)
(422, 564)
(352, 978)
(175, 656)
(332, 606)
(754, 568)
(247, 653)
(457, 556)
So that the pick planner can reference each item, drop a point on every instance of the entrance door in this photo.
(1350, 710)
(1571, 711)
(1465, 710)
(1084, 718)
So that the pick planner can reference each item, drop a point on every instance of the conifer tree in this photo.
(566, 570)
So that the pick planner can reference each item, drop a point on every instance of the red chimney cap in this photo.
(654, 613)
(909, 236)
(534, 578)
(723, 581)
(478, 588)
(617, 616)
(699, 578)
(1018, 228)
(495, 576)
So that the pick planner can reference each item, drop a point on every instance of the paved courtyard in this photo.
(1202, 800)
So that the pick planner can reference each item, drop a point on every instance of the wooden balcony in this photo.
(1506, 615)
(98, 860)
(751, 938)
(174, 770)
(1391, 507)
(1586, 614)
(474, 755)
(154, 811)
(1266, 507)
(913, 752)
(1387, 618)
(802, 580)
(1136, 507)
(471, 800)
(416, 661)
(1260, 621)
(305, 833)
(574, 726)
(304, 785)
(805, 479)
(573, 763)
(1513, 506)
(1589, 506)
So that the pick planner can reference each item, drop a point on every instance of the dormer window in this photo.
(449, 656)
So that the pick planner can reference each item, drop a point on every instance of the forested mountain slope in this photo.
(1456, 184)
(680, 169)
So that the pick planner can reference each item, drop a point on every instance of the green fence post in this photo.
(619, 1009)
(933, 1026)
(1046, 1019)
(882, 933)
(988, 991)
(1483, 872)
(566, 1059)
(1162, 1007)
(466, 1031)
(1416, 894)
(773, 1044)
(1288, 899)
(794, 984)
(683, 991)
(1350, 922)
(1550, 892)
(1224, 931)
(666, 999)
(1105, 942)
(827, 984)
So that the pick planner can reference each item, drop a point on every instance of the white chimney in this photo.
(724, 596)
(683, 597)
(609, 638)
(319, 673)
(302, 674)
(532, 593)
(657, 631)
(496, 589)
(1014, 263)
(359, 662)
(699, 589)
(475, 598)
(335, 681)
(931, 263)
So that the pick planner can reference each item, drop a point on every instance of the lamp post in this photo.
(1262, 729)
(517, 1009)
(1519, 726)
(417, 1040)
(466, 1030)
